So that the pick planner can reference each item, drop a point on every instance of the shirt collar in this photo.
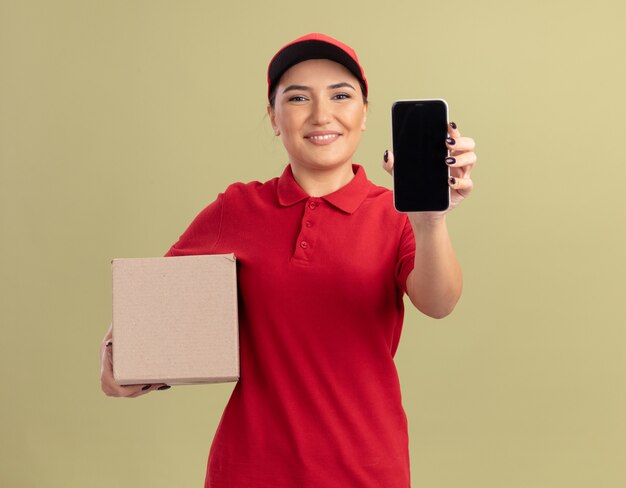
(348, 198)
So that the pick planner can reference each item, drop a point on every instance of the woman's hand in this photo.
(461, 161)
(109, 386)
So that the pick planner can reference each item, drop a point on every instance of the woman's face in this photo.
(319, 113)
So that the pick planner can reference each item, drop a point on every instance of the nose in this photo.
(320, 111)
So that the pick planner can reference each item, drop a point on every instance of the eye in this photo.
(342, 96)
(297, 98)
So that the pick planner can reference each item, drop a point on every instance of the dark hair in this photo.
(272, 98)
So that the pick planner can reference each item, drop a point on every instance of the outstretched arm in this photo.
(435, 283)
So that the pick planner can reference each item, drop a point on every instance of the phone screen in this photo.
(420, 175)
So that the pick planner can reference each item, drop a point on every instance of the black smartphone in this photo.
(420, 174)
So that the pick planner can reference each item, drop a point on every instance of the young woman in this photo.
(324, 260)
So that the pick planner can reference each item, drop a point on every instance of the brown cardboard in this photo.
(175, 320)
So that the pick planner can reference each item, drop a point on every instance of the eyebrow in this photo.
(343, 84)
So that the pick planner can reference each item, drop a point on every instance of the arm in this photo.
(435, 283)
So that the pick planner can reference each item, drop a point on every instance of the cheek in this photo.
(287, 129)
(288, 120)
(355, 119)
(356, 137)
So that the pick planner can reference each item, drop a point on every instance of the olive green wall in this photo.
(120, 120)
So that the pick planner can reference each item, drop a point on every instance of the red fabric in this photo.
(310, 47)
(321, 281)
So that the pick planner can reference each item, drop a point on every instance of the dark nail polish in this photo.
(386, 156)
(450, 160)
(452, 180)
(453, 125)
(146, 387)
(450, 141)
(164, 387)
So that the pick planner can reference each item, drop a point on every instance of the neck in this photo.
(317, 183)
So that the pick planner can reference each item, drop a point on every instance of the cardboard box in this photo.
(175, 320)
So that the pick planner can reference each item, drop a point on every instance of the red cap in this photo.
(313, 46)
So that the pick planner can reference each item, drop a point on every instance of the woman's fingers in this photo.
(460, 144)
(453, 131)
(388, 161)
(134, 391)
(462, 185)
(461, 160)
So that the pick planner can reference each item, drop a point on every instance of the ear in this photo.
(365, 108)
(272, 115)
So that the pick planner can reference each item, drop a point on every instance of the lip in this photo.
(322, 138)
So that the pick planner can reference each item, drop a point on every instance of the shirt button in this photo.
(308, 223)
(304, 244)
(312, 205)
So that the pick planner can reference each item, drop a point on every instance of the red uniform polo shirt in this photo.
(321, 280)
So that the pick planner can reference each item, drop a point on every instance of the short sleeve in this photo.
(203, 233)
(406, 255)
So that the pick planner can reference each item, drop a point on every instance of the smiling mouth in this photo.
(323, 138)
